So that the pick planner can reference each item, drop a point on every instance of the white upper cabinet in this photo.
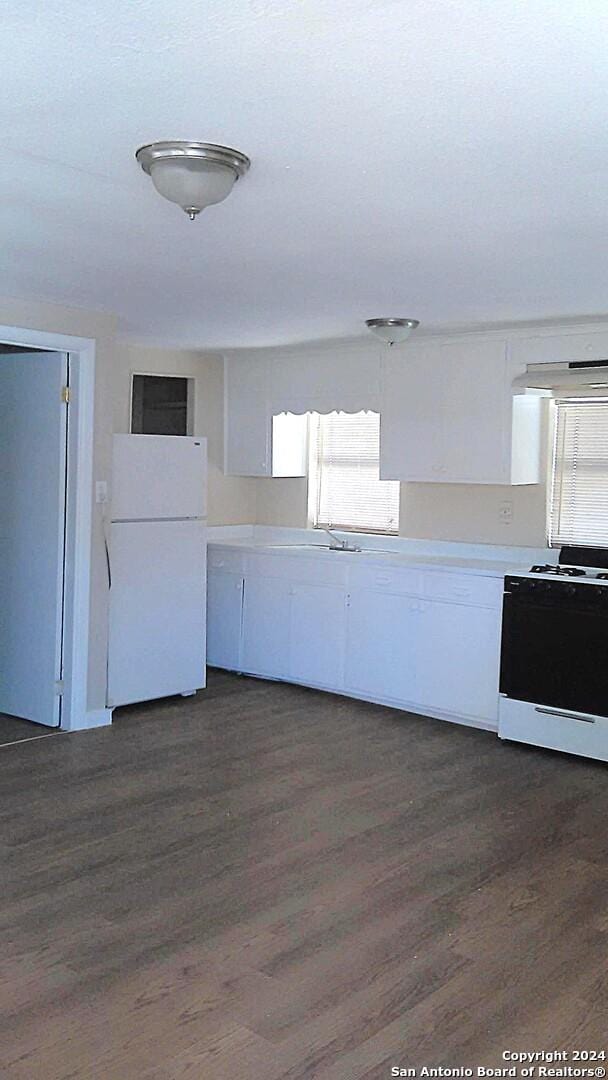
(449, 415)
(246, 424)
(268, 394)
(255, 442)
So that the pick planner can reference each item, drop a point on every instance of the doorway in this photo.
(34, 395)
(46, 586)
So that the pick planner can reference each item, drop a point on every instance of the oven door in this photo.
(555, 648)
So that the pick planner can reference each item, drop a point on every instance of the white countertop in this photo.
(491, 561)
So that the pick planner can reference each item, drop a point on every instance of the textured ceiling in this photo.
(445, 159)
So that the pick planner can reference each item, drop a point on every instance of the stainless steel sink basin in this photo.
(332, 547)
(316, 547)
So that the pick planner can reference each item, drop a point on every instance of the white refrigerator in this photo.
(157, 567)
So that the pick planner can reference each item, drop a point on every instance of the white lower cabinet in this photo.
(317, 625)
(224, 615)
(380, 645)
(266, 619)
(364, 632)
(457, 658)
(439, 656)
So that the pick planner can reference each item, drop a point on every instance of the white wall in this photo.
(467, 512)
(231, 499)
(471, 512)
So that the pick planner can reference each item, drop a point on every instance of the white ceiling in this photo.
(444, 159)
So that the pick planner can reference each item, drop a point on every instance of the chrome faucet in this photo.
(340, 545)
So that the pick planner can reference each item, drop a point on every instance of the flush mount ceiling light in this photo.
(192, 174)
(392, 331)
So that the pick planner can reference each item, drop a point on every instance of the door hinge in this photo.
(59, 687)
(65, 395)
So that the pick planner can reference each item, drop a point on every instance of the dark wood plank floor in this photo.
(13, 729)
(267, 882)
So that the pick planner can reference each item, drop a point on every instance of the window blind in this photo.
(346, 490)
(578, 504)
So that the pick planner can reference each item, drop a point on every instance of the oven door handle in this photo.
(563, 712)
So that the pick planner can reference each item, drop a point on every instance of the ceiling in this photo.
(442, 159)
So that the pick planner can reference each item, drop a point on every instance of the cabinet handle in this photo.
(564, 712)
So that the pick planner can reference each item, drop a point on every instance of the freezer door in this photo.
(157, 610)
(158, 476)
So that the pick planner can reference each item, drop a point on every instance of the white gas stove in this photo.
(554, 655)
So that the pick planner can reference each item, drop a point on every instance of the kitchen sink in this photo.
(316, 547)
(331, 547)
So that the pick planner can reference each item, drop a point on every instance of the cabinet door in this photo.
(289, 444)
(224, 617)
(317, 629)
(246, 418)
(266, 607)
(411, 418)
(477, 412)
(458, 659)
(446, 414)
(381, 646)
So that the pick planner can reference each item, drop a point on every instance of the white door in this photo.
(247, 418)
(381, 645)
(224, 618)
(158, 476)
(458, 659)
(33, 440)
(157, 610)
(316, 635)
(265, 648)
(478, 406)
(412, 420)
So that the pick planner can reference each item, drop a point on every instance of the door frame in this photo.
(77, 581)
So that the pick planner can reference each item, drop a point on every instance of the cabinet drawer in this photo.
(463, 588)
(543, 726)
(397, 581)
(320, 569)
(224, 558)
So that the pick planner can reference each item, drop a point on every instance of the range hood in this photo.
(587, 378)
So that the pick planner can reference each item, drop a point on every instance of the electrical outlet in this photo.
(505, 513)
(101, 491)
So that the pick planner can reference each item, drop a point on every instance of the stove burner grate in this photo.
(559, 571)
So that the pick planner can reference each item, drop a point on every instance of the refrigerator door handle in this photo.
(107, 549)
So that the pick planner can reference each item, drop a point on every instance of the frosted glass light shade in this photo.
(192, 174)
(193, 185)
(393, 331)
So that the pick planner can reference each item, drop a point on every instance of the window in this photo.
(160, 405)
(578, 496)
(345, 488)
